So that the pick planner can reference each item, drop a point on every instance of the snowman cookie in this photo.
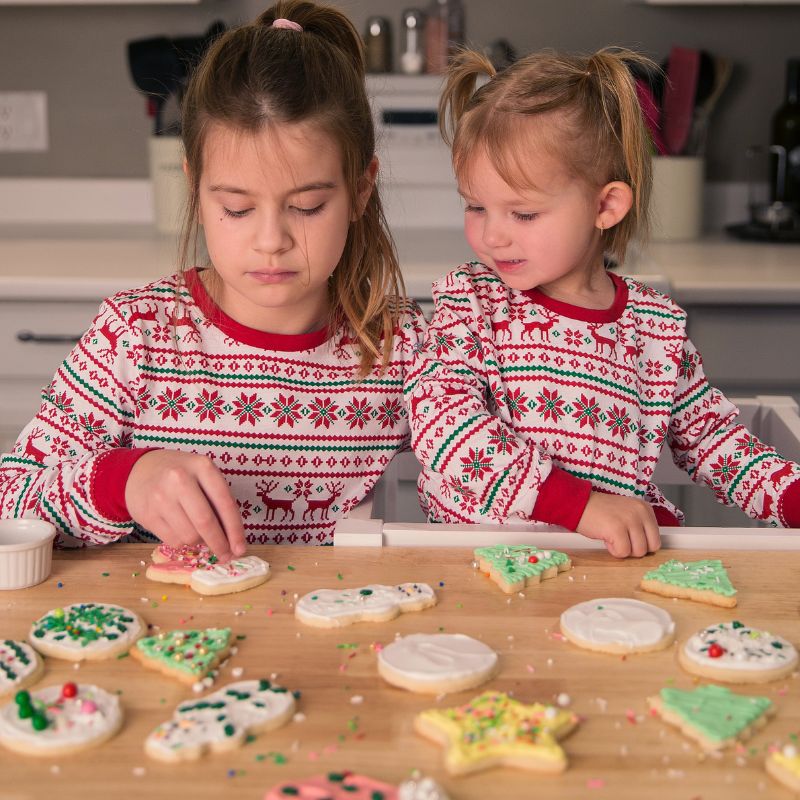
(330, 608)
(198, 567)
(90, 631)
(437, 663)
(59, 720)
(20, 666)
(735, 653)
(220, 721)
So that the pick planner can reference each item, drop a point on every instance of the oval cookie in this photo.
(20, 666)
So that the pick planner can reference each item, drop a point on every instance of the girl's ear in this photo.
(614, 202)
(366, 184)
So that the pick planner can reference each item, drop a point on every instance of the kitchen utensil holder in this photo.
(677, 200)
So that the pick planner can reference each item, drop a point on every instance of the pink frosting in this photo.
(321, 786)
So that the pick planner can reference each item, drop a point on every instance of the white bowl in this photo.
(26, 552)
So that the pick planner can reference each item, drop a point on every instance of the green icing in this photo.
(715, 711)
(511, 561)
(84, 623)
(181, 650)
(708, 576)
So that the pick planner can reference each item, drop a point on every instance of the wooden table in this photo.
(353, 720)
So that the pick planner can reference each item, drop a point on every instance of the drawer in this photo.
(36, 336)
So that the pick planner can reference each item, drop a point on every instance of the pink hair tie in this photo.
(288, 24)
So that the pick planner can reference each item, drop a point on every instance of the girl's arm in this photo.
(714, 450)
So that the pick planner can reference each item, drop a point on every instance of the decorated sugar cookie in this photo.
(712, 715)
(90, 631)
(704, 581)
(349, 786)
(784, 765)
(494, 730)
(618, 625)
(220, 721)
(330, 608)
(20, 666)
(59, 720)
(436, 663)
(513, 566)
(198, 567)
(188, 655)
(736, 653)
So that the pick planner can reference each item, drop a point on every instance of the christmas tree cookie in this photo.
(784, 766)
(712, 715)
(188, 655)
(90, 631)
(513, 566)
(20, 666)
(221, 721)
(703, 581)
(494, 730)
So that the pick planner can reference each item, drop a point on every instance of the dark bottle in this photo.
(378, 45)
(785, 177)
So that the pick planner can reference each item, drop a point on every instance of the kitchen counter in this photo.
(90, 262)
(351, 719)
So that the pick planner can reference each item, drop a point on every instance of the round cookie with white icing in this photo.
(220, 721)
(59, 720)
(331, 608)
(437, 663)
(196, 566)
(90, 631)
(618, 625)
(732, 652)
(20, 666)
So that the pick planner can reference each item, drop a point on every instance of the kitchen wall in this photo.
(98, 126)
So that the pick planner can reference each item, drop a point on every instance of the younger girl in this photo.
(548, 386)
(259, 398)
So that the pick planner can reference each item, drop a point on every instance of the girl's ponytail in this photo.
(459, 88)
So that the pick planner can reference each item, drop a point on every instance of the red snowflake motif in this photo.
(358, 413)
(245, 509)
(473, 347)
(497, 395)
(688, 365)
(249, 409)
(286, 410)
(724, 471)
(619, 422)
(389, 413)
(587, 412)
(208, 405)
(573, 338)
(172, 403)
(93, 424)
(161, 333)
(124, 439)
(323, 412)
(654, 368)
(142, 399)
(502, 441)
(476, 464)
(63, 402)
(517, 403)
(444, 343)
(60, 448)
(551, 405)
(750, 446)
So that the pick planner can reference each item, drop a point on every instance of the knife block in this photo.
(165, 155)
(676, 204)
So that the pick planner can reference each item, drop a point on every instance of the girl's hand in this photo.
(183, 498)
(626, 525)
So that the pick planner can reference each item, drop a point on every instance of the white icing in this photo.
(431, 658)
(618, 621)
(421, 789)
(341, 605)
(70, 721)
(745, 648)
(122, 641)
(195, 724)
(235, 571)
(12, 661)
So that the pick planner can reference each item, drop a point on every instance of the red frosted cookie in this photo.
(333, 786)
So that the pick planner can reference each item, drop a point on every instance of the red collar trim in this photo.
(250, 336)
(610, 314)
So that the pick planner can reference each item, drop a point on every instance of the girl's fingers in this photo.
(638, 540)
(200, 520)
(653, 536)
(226, 510)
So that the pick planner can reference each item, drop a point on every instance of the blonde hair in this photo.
(588, 117)
(258, 75)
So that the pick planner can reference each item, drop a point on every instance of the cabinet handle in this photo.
(47, 338)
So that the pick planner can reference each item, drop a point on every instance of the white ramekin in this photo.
(26, 552)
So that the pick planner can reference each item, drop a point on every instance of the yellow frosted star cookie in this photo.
(784, 766)
(494, 730)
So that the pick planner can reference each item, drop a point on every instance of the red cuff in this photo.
(789, 506)
(562, 499)
(109, 477)
(665, 518)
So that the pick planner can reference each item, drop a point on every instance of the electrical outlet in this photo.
(23, 122)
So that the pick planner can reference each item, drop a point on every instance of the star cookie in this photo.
(703, 581)
(784, 766)
(514, 566)
(495, 730)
